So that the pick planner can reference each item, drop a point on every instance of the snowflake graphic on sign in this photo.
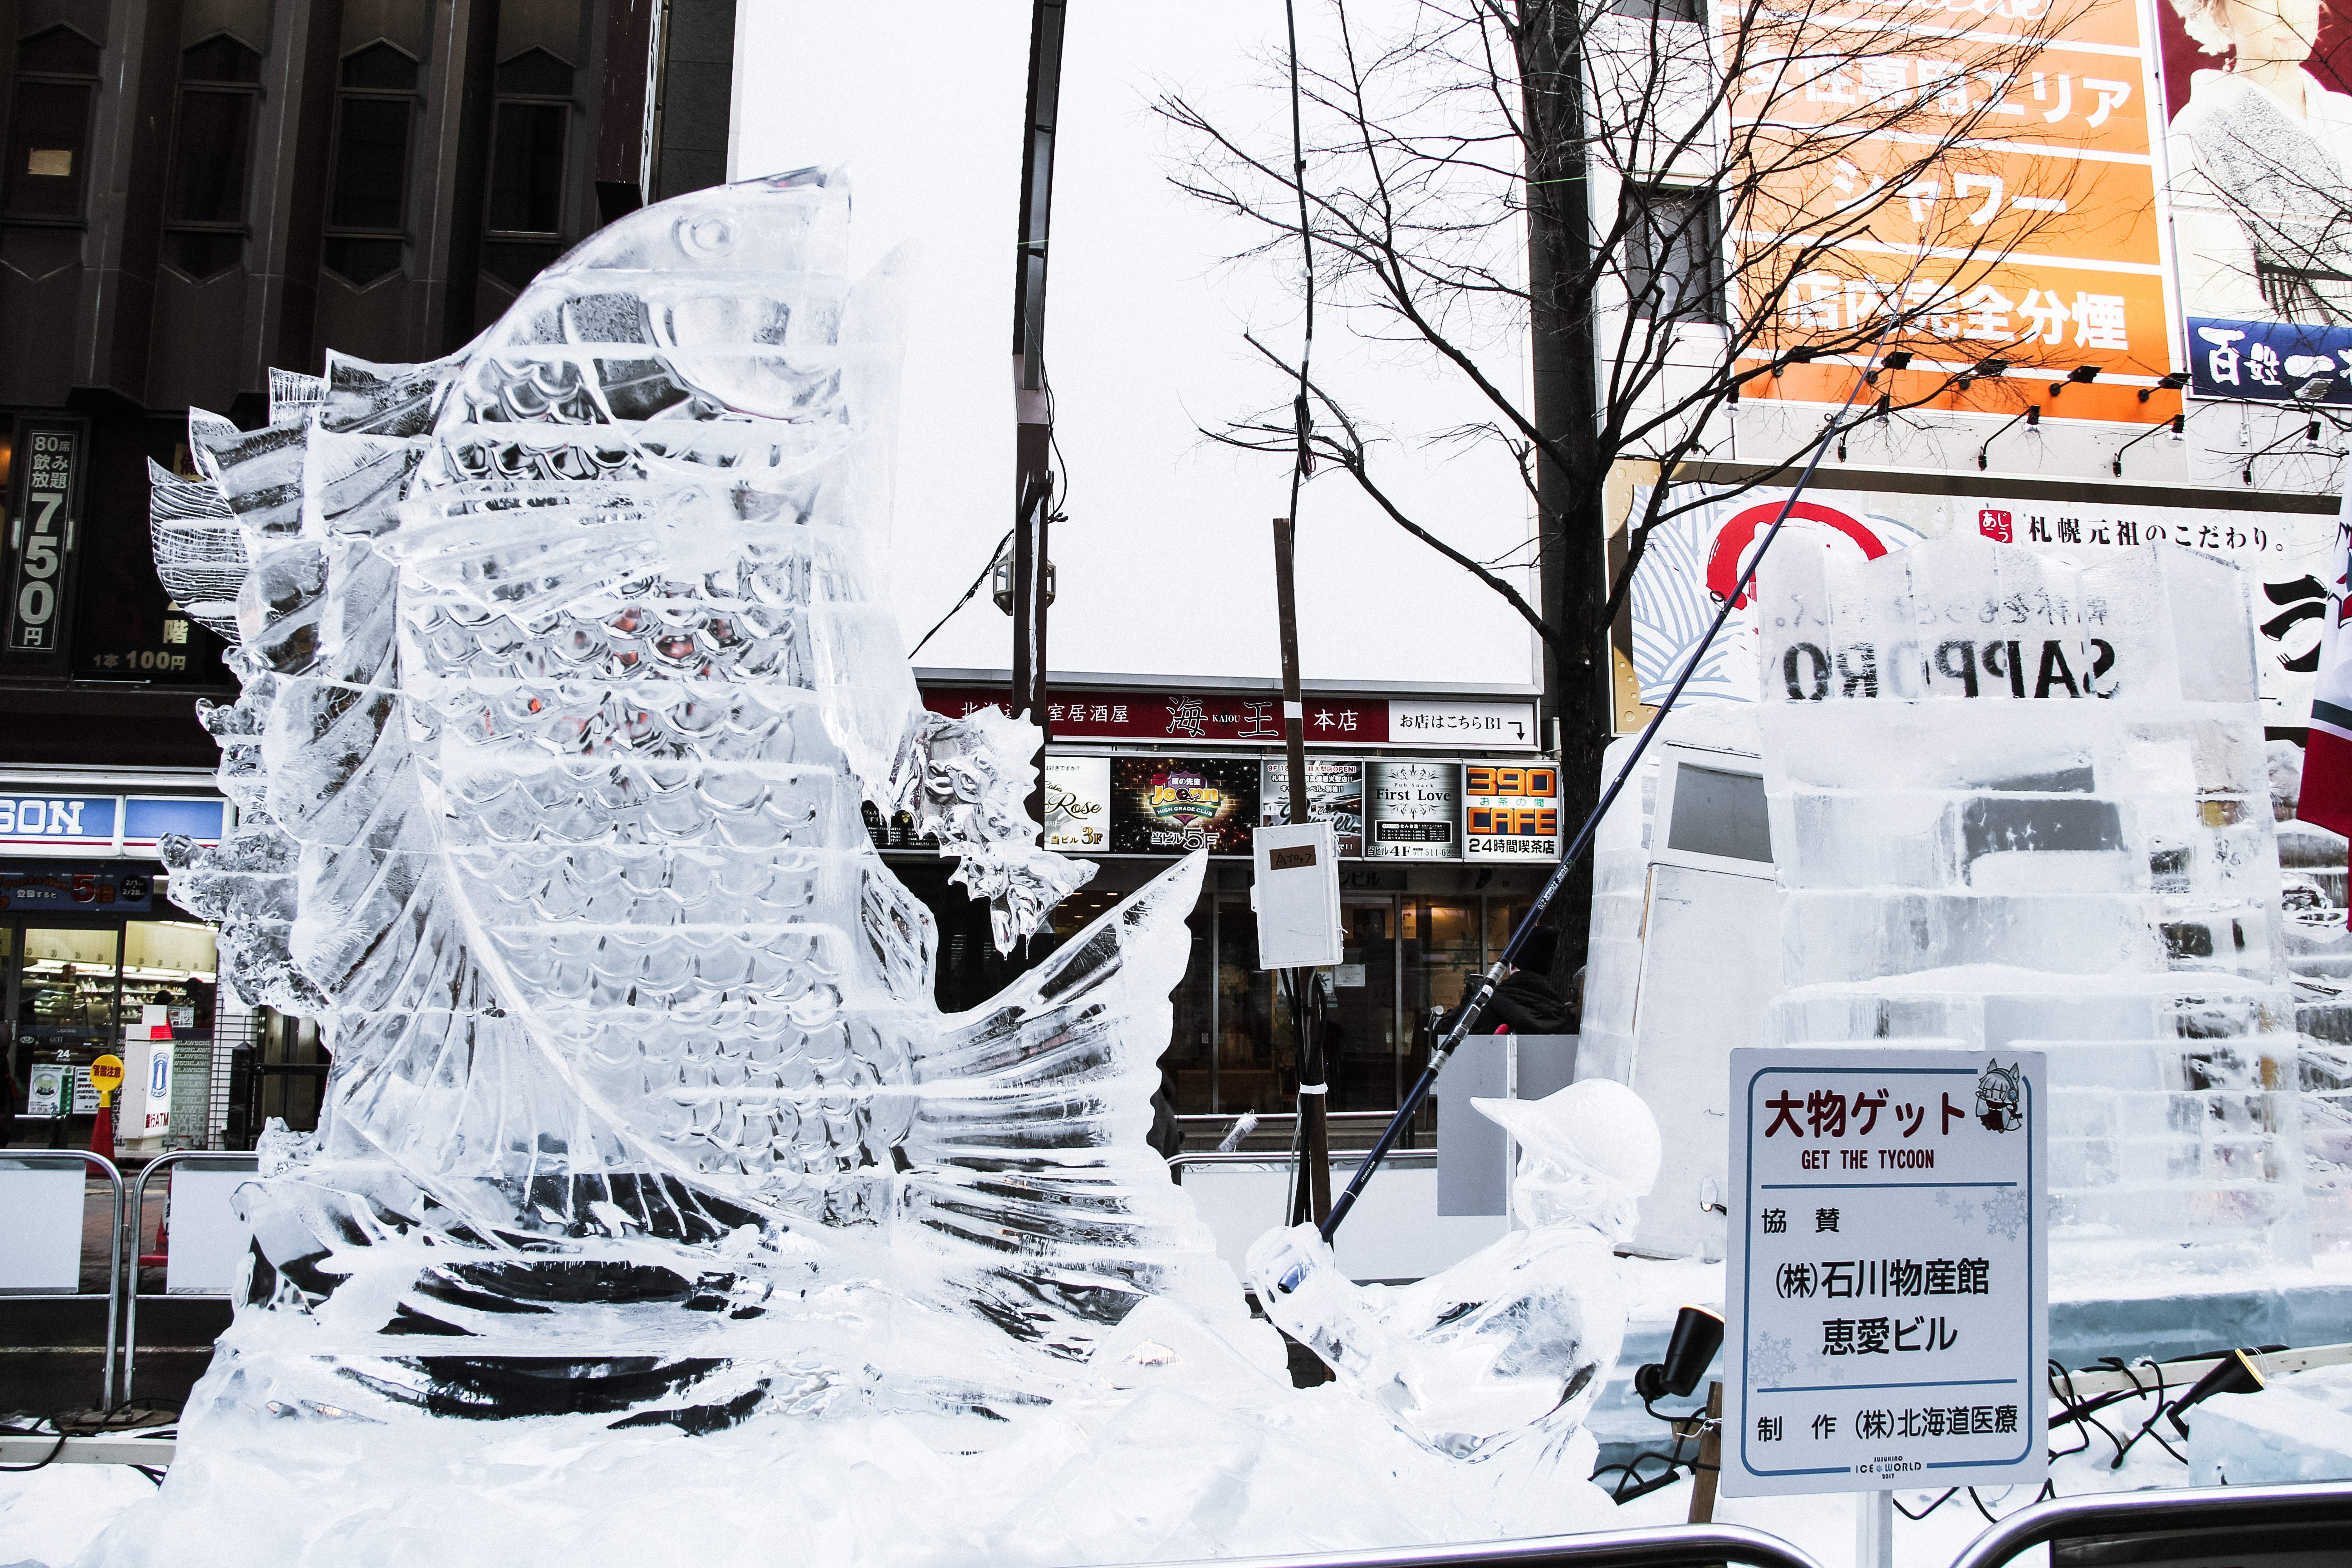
(2005, 1213)
(1773, 1359)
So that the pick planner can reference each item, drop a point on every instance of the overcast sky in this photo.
(1165, 564)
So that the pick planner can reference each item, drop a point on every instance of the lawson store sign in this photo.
(133, 825)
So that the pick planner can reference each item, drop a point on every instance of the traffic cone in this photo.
(102, 1132)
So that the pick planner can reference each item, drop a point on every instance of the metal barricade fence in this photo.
(2158, 1517)
(2169, 1515)
(231, 1162)
(1403, 1159)
(1658, 1547)
(22, 1245)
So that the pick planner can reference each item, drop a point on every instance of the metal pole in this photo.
(1032, 399)
(1306, 1013)
(1484, 992)
(114, 1252)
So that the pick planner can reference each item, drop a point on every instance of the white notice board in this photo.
(1889, 1281)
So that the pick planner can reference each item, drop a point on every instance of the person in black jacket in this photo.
(1525, 1003)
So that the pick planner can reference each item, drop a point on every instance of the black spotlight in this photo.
(1698, 1334)
(2233, 1374)
(1897, 359)
(2172, 382)
(1990, 368)
(2081, 376)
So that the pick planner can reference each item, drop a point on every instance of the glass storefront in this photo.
(74, 985)
(1407, 957)
(289, 1076)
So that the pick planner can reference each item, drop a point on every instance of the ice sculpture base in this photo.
(1189, 1446)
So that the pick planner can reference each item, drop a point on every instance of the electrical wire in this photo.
(1060, 471)
(997, 555)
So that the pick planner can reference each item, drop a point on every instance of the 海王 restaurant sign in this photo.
(1160, 718)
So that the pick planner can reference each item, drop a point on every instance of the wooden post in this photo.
(1710, 1458)
(1307, 1015)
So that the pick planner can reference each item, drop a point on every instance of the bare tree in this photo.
(1675, 215)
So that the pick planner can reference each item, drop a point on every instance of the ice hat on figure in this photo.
(1589, 1151)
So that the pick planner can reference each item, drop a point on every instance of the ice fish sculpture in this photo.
(566, 675)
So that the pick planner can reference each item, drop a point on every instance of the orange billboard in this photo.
(1984, 165)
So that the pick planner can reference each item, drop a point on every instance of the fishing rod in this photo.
(1443, 1051)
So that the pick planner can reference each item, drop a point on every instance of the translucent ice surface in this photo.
(2298, 1428)
(1497, 1358)
(655, 1208)
(2022, 804)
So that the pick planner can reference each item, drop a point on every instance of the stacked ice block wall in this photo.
(2020, 804)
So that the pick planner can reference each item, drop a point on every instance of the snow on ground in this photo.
(48, 1516)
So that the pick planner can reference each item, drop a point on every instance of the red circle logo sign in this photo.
(1723, 561)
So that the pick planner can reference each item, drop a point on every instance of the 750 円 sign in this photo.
(1888, 1287)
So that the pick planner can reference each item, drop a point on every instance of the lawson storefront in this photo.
(97, 958)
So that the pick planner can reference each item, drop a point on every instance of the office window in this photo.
(212, 145)
(48, 127)
(1673, 265)
(367, 208)
(526, 167)
(1662, 10)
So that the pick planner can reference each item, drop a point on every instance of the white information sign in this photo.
(1496, 726)
(1297, 895)
(1888, 1285)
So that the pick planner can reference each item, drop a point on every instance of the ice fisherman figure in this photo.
(1509, 1348)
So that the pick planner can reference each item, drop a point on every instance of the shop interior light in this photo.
(1698, 1334)
(2172, 382)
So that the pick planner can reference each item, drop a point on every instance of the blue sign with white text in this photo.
(2278, 362)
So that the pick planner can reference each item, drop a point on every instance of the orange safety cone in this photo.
(102, 1132)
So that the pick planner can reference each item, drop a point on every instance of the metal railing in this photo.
(2161, 1513)
(138, 1226)
(106, 1399)
(1227, 1118)
(1285, 1156)
(1654, 1548)
(2157, 1514)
